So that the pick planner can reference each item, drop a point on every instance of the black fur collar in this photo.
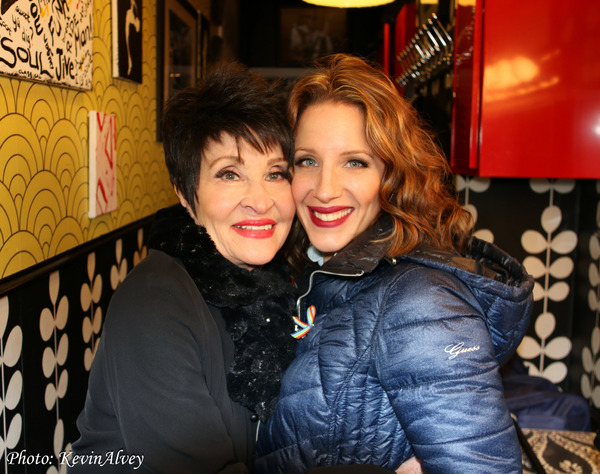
(257, 306)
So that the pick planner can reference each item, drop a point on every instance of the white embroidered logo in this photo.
(456, 349)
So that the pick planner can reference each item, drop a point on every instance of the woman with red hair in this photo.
(404, 318)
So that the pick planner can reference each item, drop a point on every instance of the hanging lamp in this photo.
(348, 3)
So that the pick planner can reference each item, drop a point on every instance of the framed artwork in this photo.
(127, 39)
(47, 41)
(179, 52)
(103, 163)
(310, 33)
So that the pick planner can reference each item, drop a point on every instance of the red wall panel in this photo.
(538, 109)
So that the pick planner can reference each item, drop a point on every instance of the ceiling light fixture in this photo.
(348, 3)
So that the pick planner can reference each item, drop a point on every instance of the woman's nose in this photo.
(328, 185)
(257, 198)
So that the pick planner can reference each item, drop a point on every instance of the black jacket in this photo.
(157, 387)
(191, 357)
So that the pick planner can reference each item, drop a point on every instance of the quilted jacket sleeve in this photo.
(436, 361)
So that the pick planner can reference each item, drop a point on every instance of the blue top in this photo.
(403, 361)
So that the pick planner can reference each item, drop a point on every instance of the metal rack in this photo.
(428, 53)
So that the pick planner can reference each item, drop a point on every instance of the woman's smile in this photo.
(255, 229)
(329, 216)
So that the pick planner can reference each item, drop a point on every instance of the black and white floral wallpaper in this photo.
(49, 331)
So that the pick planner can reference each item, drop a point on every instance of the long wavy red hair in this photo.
(416, 189)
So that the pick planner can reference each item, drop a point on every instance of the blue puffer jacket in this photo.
(403, 361)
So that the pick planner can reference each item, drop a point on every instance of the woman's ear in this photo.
(184, 203)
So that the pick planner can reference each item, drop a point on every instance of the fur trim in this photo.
(257, 306)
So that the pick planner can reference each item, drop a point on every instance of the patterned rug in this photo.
(562, 452)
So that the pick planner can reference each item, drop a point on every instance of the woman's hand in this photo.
(412, 466)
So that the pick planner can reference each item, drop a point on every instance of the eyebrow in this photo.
(345, 153)
(212, 164)
(238, 159)
(275, 160)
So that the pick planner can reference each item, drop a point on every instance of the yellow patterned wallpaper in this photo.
(44, 153)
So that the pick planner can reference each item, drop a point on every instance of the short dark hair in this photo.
(231, 99)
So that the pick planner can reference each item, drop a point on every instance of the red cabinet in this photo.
(527, 89)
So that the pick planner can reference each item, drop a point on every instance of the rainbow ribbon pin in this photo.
(305, 327)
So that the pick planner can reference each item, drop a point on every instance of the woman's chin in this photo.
(327, 249)
(251, 263)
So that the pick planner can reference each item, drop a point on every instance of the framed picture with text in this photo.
(48, 41)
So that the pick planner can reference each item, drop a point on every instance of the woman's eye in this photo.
(356, 164)
(278, 175)
(227, 175)
(305, 162)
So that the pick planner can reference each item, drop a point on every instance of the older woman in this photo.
(405, 318)
(197, 336)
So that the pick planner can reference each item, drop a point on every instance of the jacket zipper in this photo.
(310, 284)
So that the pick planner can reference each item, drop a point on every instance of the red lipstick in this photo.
(255, 228)
(329, 216)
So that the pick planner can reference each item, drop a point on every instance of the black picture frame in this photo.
(179, 51)
(127, 39)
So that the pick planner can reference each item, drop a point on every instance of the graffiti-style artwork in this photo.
(48, 41)
(103, 163)
(127, 39)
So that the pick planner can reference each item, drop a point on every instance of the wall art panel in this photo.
(47, 41)
(103, 163)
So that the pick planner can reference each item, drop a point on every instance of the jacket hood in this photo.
(499, 282)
